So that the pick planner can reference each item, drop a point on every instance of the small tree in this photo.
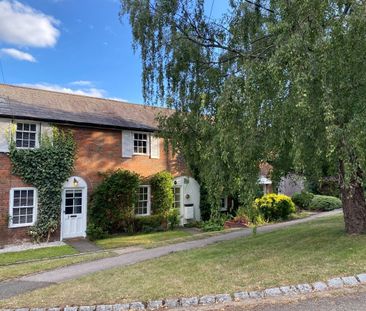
(113, 201)
(162, 194)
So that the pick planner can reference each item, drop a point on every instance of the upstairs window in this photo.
(140, 143)
(26, 135)
(22, 207)
(143, 203)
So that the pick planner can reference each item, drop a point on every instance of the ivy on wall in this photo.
(46, 168)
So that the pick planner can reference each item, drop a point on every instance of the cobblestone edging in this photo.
(305, 288)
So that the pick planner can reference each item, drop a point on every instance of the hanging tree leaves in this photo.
(277, 81)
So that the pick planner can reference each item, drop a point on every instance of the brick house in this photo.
(109, 135)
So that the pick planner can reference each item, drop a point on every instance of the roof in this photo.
(29, 103)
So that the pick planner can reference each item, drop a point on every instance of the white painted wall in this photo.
(190, 194)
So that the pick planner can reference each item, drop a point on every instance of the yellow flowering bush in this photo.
(274, 206)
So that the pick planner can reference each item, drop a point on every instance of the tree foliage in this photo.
(269, 80)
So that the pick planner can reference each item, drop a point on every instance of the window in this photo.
(176, 192)
(226, 203)
(73, 202)
(26, 135)
(223, 205)
(23, 209)
(143, 203)
(140, 143)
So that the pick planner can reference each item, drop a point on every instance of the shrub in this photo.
(113, 201)
(152, 223)
(173, 218)
(274, 206)
(95, 233)
(214, 224)
(302, 199)
(325, 203)
(162, 194)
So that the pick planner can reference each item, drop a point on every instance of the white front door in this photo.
(73, 213)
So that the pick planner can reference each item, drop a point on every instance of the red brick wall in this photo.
(98, 150)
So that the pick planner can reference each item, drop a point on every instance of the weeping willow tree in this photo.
(273, 80)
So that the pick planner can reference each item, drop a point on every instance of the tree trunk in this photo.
(353, 202)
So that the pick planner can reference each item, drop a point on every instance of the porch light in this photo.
(75, 182)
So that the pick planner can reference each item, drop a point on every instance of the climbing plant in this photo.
(46, 168)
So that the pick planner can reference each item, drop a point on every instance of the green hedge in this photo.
(112, 203)
(325, 203)
(303, 199)
(162, 194)
(150, 223)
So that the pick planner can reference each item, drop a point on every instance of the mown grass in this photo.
(306, 252)
(142, 239)
(22, 269)
(34, 254)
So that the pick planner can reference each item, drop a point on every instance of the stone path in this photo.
(83, 245)
(13, 288)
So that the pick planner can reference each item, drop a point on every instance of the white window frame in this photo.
(223, 209)
(147, 143)
(179, 188)
(11, 206)
(148, 213)
(38, 132)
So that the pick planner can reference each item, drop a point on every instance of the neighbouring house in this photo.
(109, 135)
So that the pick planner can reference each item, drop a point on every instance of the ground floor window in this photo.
(177, 198)
(23, 207)
(226, 204)
(143, 203)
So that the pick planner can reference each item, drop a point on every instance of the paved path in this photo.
(78, 270)
(83, 245)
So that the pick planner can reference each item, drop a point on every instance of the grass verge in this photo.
(143, 239)
(34, 254)
(307, 252)
(21, 269)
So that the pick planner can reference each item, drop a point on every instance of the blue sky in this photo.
(81, 47)
(75, 46)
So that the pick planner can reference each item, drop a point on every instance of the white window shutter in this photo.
(127, 144)
(155, 147)
(46, 130)
(5, 128)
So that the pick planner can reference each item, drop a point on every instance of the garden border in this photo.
(291, 290)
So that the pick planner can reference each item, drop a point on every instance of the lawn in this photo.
(312, 251)
(34, 254)
(143, 239)
(17, 264)
(17, 270)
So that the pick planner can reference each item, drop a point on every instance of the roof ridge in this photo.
(83, 96)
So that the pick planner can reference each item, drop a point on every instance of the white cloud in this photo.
(82, 83)
(19, 55)
(94, 92)
(22, 25)
(118, 99)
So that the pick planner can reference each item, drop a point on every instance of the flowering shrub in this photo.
(274, 206)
